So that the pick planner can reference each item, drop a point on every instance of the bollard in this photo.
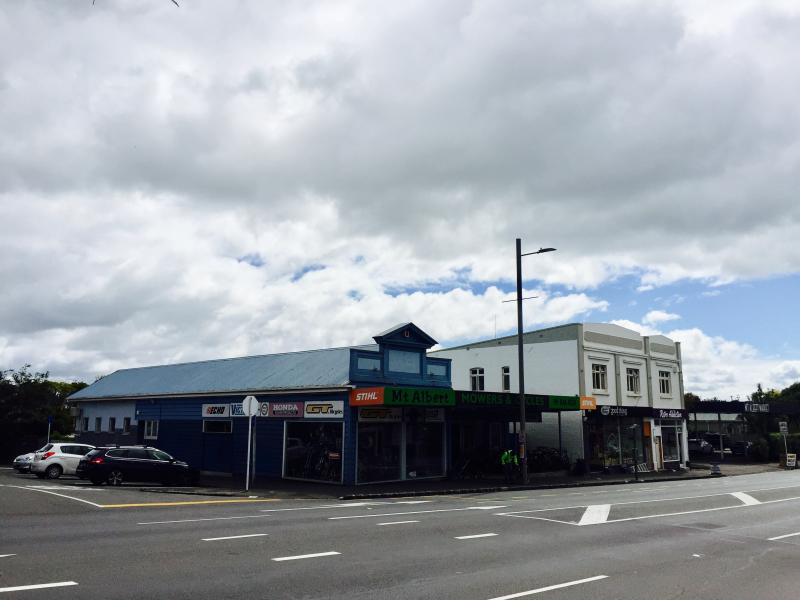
(715, 470)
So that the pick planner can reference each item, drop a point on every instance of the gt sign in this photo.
(333, 409)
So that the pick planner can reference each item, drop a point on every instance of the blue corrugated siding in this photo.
(349, 450)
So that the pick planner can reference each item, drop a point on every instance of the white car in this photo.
(55, 460)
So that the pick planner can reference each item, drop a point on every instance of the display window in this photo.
(313, 451)
(379, 447)
(424, 450)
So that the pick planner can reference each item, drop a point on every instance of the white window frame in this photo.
(476, 379)
(505, 373)
(634, 380)
(665, 383)
(151, 429)
(599, 377)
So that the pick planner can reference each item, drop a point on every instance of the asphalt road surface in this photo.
(735, 537)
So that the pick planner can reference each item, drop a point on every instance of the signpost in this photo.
(783, 426)
(49, 423)
(249, 408)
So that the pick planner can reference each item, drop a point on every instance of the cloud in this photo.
(163, 181)
(659, 316)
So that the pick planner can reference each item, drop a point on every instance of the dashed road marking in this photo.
(746, 499)
(396, 523)
(475, 536)
(235, 537)
(37, 586)
(206, 519)
(551, 587)
(597, 513)
(783, 537)
(302, 556)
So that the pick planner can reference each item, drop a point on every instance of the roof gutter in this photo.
(271, 392)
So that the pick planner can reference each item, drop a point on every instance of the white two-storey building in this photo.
(637, 383)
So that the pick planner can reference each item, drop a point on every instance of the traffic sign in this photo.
(250, 406)
(784, 427)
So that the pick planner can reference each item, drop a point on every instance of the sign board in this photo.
(465, 398)
(791, 461)
(380, 414)
(237, 410)
(286, 409)
(333, 409)
(366, 397)
(250, 406)
(784, 427)
(395, 396)
(614, 411)
(669, 413)
(263, 409)
(216, 410)
(756, 408)
(564, 403)
(588, 403)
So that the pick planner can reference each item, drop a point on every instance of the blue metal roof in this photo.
(293, 370)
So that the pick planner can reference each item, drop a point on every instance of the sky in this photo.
(232, 178)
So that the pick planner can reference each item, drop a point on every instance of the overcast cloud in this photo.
(229, 178)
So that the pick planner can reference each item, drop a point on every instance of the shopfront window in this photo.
(424, 450)
(632, 441)
(671, 434)
(379, 447)
(313, 451)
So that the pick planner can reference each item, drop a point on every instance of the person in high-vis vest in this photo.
(509, 461)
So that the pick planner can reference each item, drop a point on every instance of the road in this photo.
(735, 537)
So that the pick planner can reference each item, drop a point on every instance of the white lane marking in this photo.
(30, 489)
(746, 499)
(597, 513)
(551, 587)
(65, 488)
(324, 506)
(234, 537)
(206, 519)
(410, 502)
(416, 512)
(301, 556)
(396, 523)
(6, 555)
(38, 586)
(476, 536)
(781, 537)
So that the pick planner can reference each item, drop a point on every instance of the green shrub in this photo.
(760, 450)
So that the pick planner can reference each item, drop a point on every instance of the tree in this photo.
(27, 399)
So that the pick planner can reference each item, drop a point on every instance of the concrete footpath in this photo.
(290, 489)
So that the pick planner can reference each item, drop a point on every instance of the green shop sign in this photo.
(564, 403)
(497, 399)
(506, 399)
(395, 396)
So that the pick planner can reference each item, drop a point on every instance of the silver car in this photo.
(55, 460)
(22, 464)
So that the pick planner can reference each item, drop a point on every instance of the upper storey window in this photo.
(476, 379)
(401, 361)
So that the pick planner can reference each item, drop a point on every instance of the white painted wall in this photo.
(104, 410)
(550, 368)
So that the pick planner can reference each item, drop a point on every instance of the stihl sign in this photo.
(366, 397)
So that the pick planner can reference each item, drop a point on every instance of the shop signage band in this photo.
(333, 409)
(216, 410)
(640, 411)
(396, 396)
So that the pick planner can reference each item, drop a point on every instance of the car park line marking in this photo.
(23, 487)
(207, 519)
(187, 503)
(396, 523)
(551, 587)
(746, 499)
(416, 512)
(597, 513)
(474, 537)
(6, 555)
(38, 586)
(781, 537)
(234, 537)
(301, 556)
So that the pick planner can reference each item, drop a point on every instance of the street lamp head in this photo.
(543, 250)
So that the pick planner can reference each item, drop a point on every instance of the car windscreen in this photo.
(94, 453)
(45, 448)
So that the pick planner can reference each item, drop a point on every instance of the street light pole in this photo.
(523, 441)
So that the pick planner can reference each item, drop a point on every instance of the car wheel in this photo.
(115, 477)
(53, 472)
